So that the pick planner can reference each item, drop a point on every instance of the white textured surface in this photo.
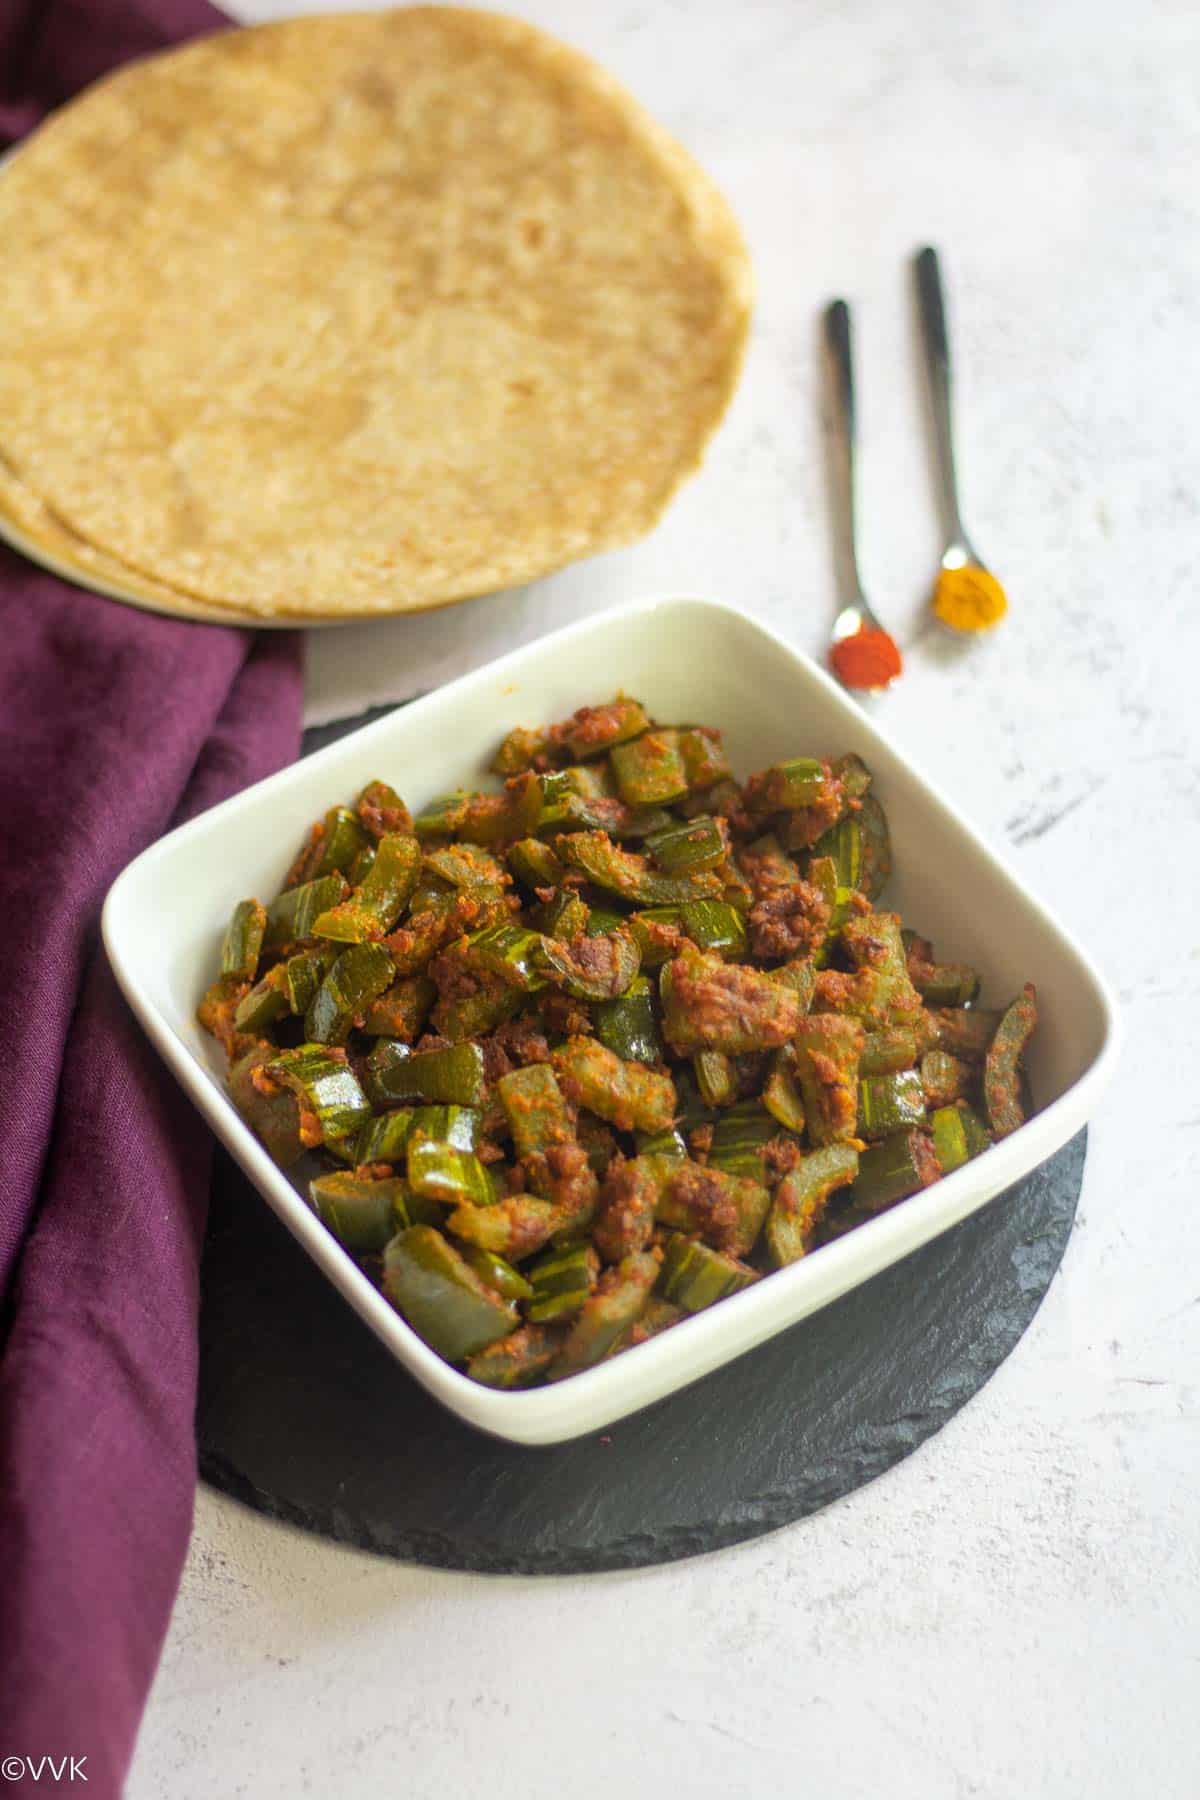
(1013, 1610)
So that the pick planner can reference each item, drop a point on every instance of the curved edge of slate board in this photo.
(304, 1416)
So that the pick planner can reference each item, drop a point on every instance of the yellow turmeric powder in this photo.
(969, 598)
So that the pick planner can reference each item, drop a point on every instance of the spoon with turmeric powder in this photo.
(966, 595)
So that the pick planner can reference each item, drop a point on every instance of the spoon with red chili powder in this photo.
(863, 654)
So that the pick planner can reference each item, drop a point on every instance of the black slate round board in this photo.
(304, 1415)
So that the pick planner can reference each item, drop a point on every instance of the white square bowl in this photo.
(688, 660)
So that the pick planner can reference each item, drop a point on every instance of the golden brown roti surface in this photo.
(361, 313)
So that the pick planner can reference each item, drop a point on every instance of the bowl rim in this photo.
(541, 1415)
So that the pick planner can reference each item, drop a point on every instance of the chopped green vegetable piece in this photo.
(463, 866)
(875, 866)
(1002, 1065)
(843, 845)
(517, 1361)
(629, 874)
(290, 918)
(402, 1009)
(828, 1047)
(787, 785)
(534, 864)
(511, 1228)
(723, 800)
(559, 789)
(271, 1111)
(453, 1077)
(445, 816)
(656, 1316)
(801, 1200)
(888, 1103)
(382, 811)
(342, 838)
(562, 1281)
(781, 1094)
(650, 770)
(873, 943)
(714, 925)
(537, 1114)
(374, 908)
(595, 729)
(690, 844)
(945, 1078)
(751, 1203)
(656, 932)
(384, 1139)
(603, 918)
(823, 875)
(459, 1126)
(801, 977)
(472, 1015)
(886, 1051)
(893, 1169)
(939, 984)
(520, 750)
(662, 1146)
(739, 1140)
(703, 754)
(946, 984)
(362, 865)
(853, 774)
(331, 1101)
(597, 1142)
(635, 822)
(715, 1077)
(953, 1142)
(358, 976)
(627, 1026)
(590, 968)
(723, 1207)
(451, 1177)
(266, 1001)
(565, 917)
(361, 1214)
(713, 1005)
(963, 1033)
(694, 1276)
(689, 1109)
(243, 941)
(768, 865)
(630, 1096)
(499, 1275)
(619, 1299)
(304, 973)
(443, 1299)
(509, 951)
(629, 1201)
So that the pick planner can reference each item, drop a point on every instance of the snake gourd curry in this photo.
(586, 1053)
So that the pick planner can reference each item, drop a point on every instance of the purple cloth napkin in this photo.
(114, 724)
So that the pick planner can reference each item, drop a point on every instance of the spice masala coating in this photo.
(563, 1062)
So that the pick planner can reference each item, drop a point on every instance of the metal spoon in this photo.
(855, 614)
(960, 552)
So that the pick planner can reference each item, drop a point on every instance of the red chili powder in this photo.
(868, 659)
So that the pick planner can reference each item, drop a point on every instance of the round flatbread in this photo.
(29, 525)
(360, 314)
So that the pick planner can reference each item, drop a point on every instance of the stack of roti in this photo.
(355, 315)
